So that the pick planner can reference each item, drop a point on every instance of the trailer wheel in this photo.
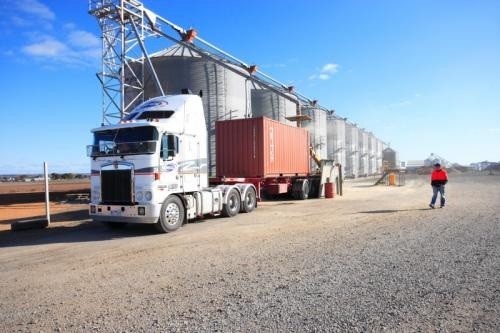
(304, 194)
(314, 186)
(171, 215)
(300, 189)
(249, 201)
(232, 206)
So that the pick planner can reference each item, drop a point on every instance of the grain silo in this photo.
(390, 157)
(317, 132)
(380, 148)
(266, 103)
(351, 169)
(225, 93)
(336, 143)
(372, 153)
(363, 152)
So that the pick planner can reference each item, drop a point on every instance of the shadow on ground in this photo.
(385, 211)
(74, 215)
(75, 230)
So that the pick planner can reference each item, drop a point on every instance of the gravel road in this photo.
(376, 259)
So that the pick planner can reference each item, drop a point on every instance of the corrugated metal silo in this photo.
(390, 156)
(363, 151)
(266, 103)
(336, 143)
(372, 147)
(352, 151)
(226, 94)
(317, 132)
(380, 148)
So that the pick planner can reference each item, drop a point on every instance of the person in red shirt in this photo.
(439, 178)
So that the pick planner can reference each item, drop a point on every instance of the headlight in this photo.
(138, 196)
(148, 195)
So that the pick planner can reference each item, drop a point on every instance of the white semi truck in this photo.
(152, 168)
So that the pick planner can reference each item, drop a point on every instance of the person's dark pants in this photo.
(435, 190)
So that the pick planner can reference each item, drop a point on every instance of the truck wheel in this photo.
(232, 206)
(300, 189)
(171, 215)
(304, 193)
(249, 201)
(314, 188)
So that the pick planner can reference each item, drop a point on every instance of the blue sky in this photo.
(422, 75)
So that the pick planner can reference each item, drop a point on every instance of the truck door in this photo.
(169, 162)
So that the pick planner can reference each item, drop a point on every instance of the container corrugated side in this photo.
(260, 147)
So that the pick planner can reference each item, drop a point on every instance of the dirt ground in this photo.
(26, 200)
(376, 259)
(32, 187)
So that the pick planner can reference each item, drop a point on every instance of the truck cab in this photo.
(151, 167)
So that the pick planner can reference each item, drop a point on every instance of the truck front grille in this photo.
(116, 187)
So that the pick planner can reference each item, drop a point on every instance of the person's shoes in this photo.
(441, 206)
(432, 206)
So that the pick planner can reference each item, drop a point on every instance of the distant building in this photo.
(484, 165)
(434, 158)
(34, 179)
(390, 158)
(413, 164)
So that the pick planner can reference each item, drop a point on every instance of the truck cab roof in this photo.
(177, 113)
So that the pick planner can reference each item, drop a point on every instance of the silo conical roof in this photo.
(176, 51)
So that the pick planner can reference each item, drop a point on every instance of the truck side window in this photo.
(169, 146)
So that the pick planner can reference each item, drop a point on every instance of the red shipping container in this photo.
(260, 147)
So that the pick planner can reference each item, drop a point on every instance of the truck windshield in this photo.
(124, 141)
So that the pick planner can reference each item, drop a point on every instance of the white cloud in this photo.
(51, 50)
(94, 53)
(43, 39)
(330, 69)
(36, 9)
(75, 47)
(326, 72)
(50, 47)
(83, 39)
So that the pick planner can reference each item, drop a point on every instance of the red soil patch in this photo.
(19, 201)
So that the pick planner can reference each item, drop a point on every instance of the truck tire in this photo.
(171, 215)
(249, 201)
(300, 189)
(304, 193)
(232, 205)
(314, 185)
